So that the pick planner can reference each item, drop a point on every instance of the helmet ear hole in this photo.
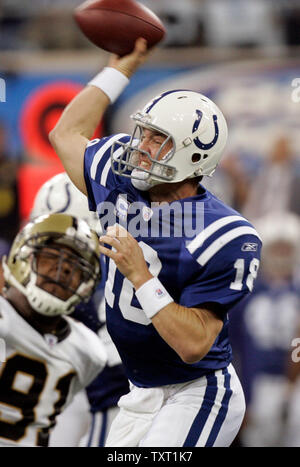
(196, 157)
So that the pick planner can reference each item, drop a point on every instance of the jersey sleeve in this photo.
(98, 174)
(223, 273)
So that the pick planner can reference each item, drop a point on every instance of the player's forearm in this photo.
(74, 129)
(83, 114)
(188, 331)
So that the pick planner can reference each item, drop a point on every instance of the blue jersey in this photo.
(204, 253)
(261, 330)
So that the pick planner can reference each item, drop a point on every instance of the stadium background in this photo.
(244, 55)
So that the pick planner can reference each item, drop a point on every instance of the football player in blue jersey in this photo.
(178, 258)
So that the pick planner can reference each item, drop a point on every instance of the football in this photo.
(114, 25)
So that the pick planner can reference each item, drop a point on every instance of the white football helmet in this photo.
(60, 195)
(197, 129)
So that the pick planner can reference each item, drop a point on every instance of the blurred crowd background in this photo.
(245, 55)
(238, 23)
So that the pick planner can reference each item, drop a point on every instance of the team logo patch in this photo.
(159, 293)
(249, 247)
(122, 206)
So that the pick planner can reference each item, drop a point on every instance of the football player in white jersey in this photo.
(87, 420)
(52, 266)
(169, 287)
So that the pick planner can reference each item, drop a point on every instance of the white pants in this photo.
(204, 412)
(96, 434)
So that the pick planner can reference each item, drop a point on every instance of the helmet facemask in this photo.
(76, 265)
(54, 270)
(128, 163)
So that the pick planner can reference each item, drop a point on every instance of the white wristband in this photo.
(111, 81)
(153, 297)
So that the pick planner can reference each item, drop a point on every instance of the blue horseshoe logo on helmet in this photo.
(64, 208)
(197, 141)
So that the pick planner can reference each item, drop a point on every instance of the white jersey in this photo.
(41, 375)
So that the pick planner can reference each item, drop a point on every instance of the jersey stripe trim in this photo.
(198, 241)
(103, 431)
(158, 98)
(100, 153)
(107, 166)
(203, 415)
(222, 412)
(213, 415)
(218, 244)
(91, 434)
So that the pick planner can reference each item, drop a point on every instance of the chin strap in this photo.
(145, 181)
(46, 304)
(142, 183)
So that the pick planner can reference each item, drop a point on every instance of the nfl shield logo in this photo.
(147, 213)
(50, 339)
(159, 293)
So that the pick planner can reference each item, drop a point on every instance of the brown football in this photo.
(114, 25)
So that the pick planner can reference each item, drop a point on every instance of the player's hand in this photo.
(130, 63)
(127, 254)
